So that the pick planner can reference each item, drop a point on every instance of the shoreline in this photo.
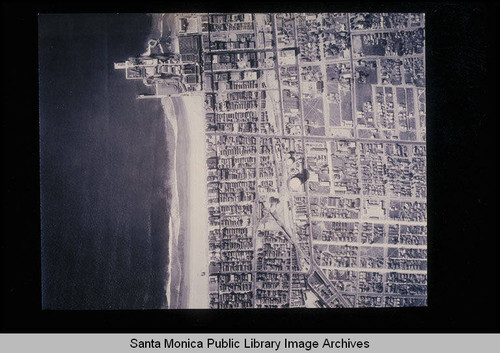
(172, 287)
(188, 249)
(187, 284)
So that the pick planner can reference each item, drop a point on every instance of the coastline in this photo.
(187, 284)
(172, 286)
(188, 249)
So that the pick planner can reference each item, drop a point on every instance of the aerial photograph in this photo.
(233, 160)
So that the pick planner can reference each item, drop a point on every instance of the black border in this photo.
(462, 88)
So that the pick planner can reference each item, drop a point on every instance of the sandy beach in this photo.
(188, 284)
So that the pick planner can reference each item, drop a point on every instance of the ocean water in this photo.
(105, 172)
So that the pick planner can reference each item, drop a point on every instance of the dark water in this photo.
(103, 168)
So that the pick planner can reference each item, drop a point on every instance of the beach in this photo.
(188, 283)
